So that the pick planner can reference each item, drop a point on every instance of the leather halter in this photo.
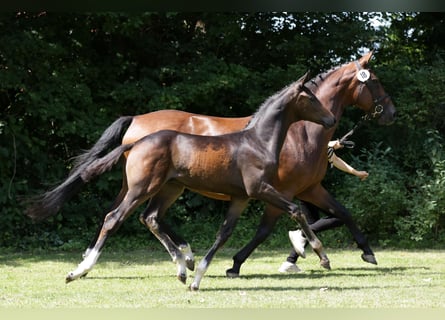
(378, 107)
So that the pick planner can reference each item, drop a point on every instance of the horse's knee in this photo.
(142, 219)
(297, 214)
(111, 220)
(150, 221)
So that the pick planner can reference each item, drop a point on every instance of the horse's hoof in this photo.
(325, 264)
(231, 273)
(190, 264)
(370, 258)
(69, 277)
(193, 287)
(182, 277)
(189, 258)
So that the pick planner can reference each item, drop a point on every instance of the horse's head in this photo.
(369, 94)
(308, 107)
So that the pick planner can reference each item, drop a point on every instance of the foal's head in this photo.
(306, 106)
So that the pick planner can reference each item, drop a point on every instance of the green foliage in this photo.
(64, 77)
(425, 218)
(376, 201)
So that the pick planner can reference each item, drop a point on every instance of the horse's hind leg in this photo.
(236, 208)
(112, 222)
(116, 203)
(152, 216)
(182, 244)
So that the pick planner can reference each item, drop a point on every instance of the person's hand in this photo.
(362, 175)
(335, 144)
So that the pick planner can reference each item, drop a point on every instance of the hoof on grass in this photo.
(70, 277)
(325, 264)
(190, 264)
(230, 273)
(370, 258)
(182, 277)
(193, 287)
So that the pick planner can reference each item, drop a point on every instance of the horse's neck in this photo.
(317, 136)
(270, 129)
(337, 101)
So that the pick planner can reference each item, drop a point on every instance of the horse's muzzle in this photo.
(329, 122)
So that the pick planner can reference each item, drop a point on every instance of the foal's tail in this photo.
(104, 164)
(50, 202)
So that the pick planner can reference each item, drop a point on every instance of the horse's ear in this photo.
(306, 77)
(364, 60)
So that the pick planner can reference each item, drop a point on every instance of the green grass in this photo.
(403, 279)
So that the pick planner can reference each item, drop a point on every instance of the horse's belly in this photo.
(224, 183)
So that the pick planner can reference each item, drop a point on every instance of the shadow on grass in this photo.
(138, 278)
(142, 257)
(339, 272)
(309, 288)
(310, 275)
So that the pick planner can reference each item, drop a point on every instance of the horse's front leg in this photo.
(235, 209)
(313, 240)
(326, 202)
(265, 228)
(266, 192)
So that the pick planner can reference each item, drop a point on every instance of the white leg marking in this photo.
(200, 271)
(182, 268)
(86, 253)
(188, 254)
(85, 266)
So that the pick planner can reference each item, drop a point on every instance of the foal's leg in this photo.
(269, 194)
(112, 222)
(237, 205)
(152, 216)
(265, 228)
(268, 221)
(116, 203)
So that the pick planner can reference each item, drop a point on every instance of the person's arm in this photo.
(343, 166)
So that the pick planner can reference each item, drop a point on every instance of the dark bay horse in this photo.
(303, 159)
(241, 164)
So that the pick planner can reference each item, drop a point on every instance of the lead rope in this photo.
(363, 76)
(378, 109)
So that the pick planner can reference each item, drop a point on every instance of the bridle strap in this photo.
(378, 108)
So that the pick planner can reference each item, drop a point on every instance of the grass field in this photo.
(403, 279)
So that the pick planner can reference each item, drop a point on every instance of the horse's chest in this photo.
(302, 168)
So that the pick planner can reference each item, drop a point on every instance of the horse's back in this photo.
(181, 121)
(148, 123)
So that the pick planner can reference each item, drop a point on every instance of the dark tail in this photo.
(104, 164)
(50, 202)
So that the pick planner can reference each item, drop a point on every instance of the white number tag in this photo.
(363, 75)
